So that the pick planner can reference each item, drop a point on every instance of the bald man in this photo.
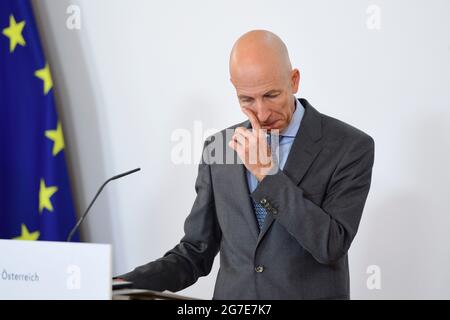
(283, 209)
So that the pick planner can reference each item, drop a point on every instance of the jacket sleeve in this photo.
(325, 231)
(193, 257)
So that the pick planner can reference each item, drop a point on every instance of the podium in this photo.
(44, 270)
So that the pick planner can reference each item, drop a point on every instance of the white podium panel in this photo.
(54, 270)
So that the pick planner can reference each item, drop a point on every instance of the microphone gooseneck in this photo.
(81, 219)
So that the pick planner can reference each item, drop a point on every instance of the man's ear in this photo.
(295, 80)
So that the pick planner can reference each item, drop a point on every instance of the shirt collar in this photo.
(294, 125)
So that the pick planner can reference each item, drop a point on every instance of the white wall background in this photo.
(137, 70)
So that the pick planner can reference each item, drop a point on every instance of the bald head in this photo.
(261, 72)
(259, 53)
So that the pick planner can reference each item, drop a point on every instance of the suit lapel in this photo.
(243, 195)
(305, 148)
(306, 144)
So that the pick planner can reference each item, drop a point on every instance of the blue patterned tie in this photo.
(260, 213)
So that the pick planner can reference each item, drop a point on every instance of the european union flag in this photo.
(35, 196)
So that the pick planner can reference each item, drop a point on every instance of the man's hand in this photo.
(252, 148)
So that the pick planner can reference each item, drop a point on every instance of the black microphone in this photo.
(75, 228)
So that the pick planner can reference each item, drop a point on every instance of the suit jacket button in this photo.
(263, 201)
(259, 269)
(274, 211)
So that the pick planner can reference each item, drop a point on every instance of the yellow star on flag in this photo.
(14, 33)
(57, 137)
(45, 194)
(26, 235)
(45, 75)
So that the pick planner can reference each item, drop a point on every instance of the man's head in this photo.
(261, 72)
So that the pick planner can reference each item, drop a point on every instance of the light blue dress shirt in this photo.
(287, 137)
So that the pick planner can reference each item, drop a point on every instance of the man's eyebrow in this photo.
(272, 92)
(244, 97)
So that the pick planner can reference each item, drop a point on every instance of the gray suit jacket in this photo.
(314, 208)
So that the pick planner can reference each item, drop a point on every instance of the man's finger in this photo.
(252, 117)
(238, 149)
(242, 138)
(232, 144)
(243, 132)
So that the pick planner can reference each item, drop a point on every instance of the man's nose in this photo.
(262, 112)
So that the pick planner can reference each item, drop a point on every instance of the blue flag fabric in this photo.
(35, 196)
